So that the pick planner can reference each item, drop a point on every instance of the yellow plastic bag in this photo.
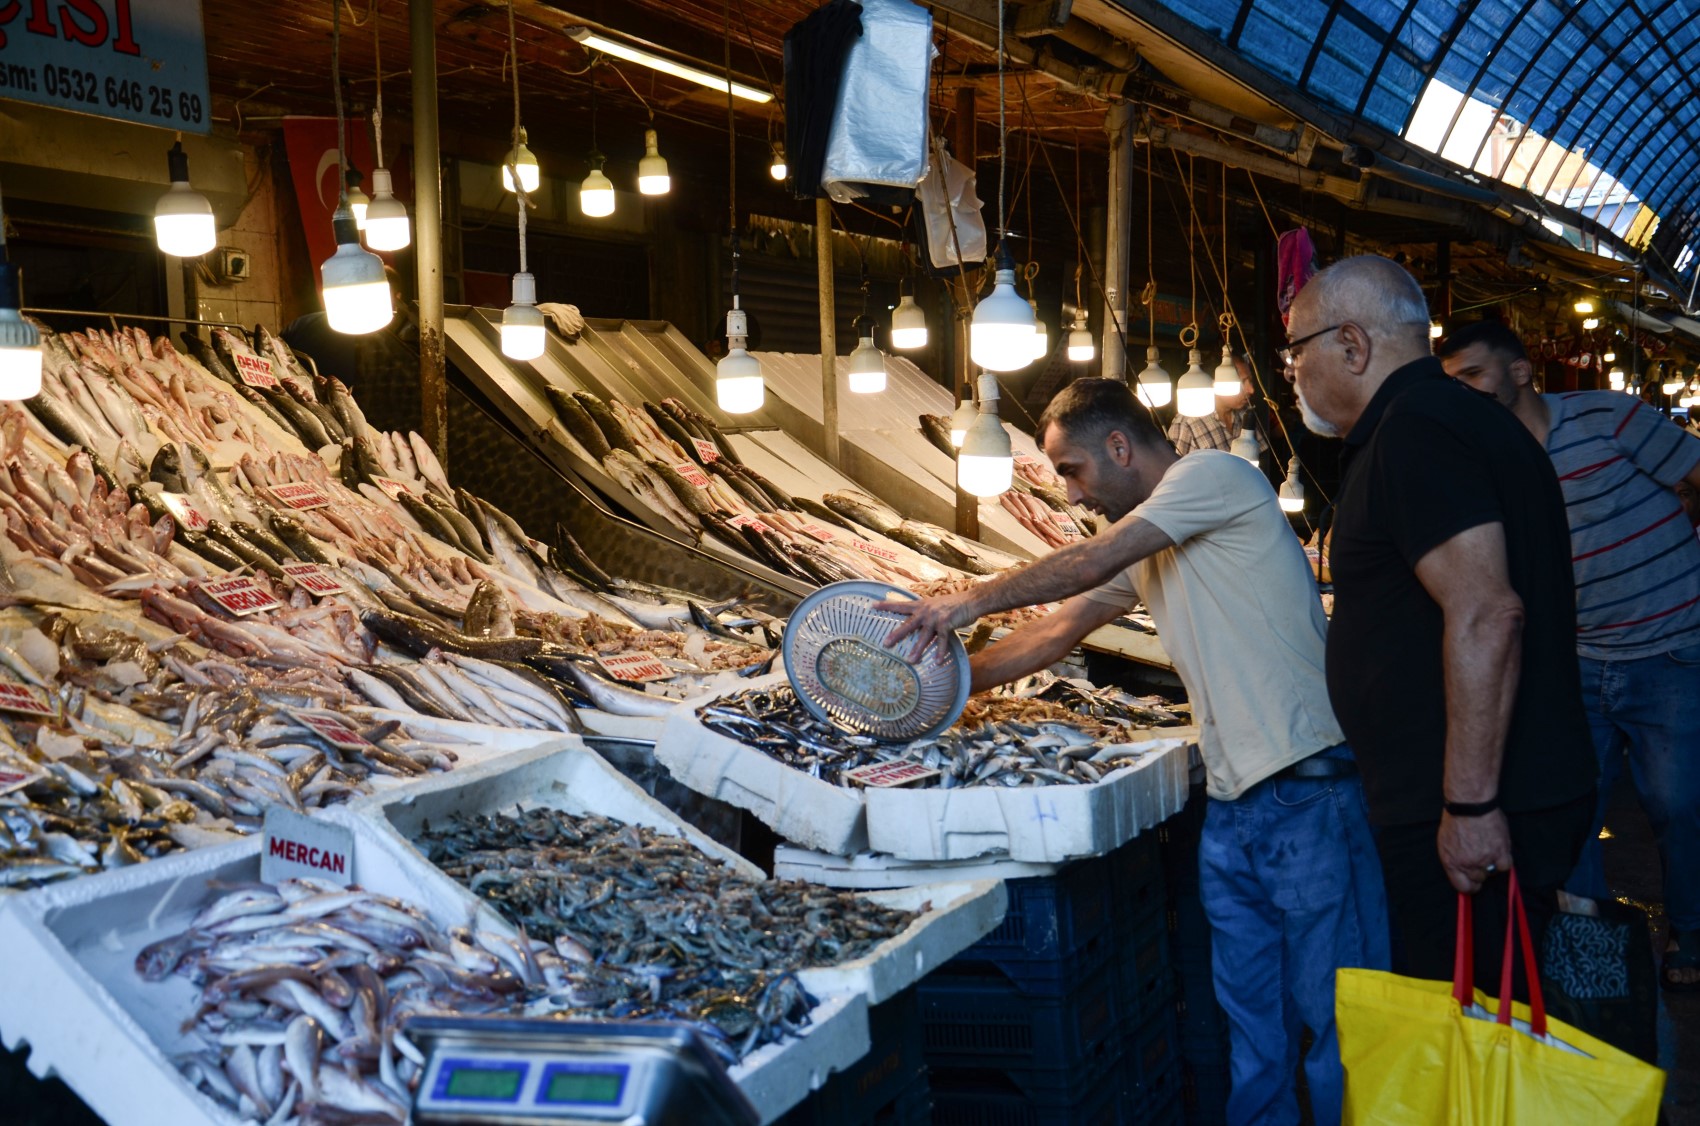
(1415, 1055)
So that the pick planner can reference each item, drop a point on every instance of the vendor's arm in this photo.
(1040, 644)
(1065, 572)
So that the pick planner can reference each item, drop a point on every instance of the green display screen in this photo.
(485, 1083)
(599, 1087)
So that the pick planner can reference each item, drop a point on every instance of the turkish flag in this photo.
(313, 166)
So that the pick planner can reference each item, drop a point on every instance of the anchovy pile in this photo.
(1001, 740)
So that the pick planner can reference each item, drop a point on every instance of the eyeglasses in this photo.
(1294, 347)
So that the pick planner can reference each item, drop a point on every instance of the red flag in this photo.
(311, 144)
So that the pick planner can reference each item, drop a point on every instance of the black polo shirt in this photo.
(1428, 459)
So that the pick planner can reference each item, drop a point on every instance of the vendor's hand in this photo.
(1474, 848)
(927, 620)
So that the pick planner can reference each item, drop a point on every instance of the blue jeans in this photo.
(1291, 884)
(1650, 706)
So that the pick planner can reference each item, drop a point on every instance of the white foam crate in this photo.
(875, 871)
(1041, 824)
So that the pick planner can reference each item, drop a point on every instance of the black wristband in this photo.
(1471, 808)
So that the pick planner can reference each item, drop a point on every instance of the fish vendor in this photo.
(1288, 870)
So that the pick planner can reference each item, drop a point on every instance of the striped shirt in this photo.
(1636, 558)
(1206, 433)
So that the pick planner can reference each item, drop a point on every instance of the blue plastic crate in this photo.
(1153, 1061)
(895, 1058)
(913, 1106)
(1051, 918)
(1169, 1113)
(909, 1103)
(978, 1021)
(1144, 976)
(1049, 1086)
(1137, 884)
(979, 1105)
(1204, 1094)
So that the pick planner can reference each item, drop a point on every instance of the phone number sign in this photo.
(134, 60)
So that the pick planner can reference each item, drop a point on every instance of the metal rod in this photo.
(1118, 226)
(35, 310)
(428, 229)
(828, 332)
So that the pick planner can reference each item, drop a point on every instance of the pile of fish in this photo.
(1036, 497)
(1010, 737)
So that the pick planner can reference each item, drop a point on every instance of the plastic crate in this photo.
(1171, 1112)
(1153, 1062)
(896, 1057)
(1204, 1094)
(979, 1021)
(1047, 1086)
(1137, 884)
(1051, 918)
(1145, 978)
(908, 1104)
(979, 1105)
(913, 1106)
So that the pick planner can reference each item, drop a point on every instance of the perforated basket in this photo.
(837, 660)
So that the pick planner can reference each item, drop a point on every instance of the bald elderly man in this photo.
(1451, 654)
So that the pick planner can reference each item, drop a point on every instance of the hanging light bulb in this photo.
(1673, 382)
(867, 363)
(652, 168)
(1041, 335)
(1227, 381)
(1616, 378)
(985, 464)
(1436, 330)
(387, 225)
(1156, 389)
(520, 157)
(1082, 349)
(1195, 394)
(777, 167)
(1584, 306)
(908, 325)
(1000, 337)
(20, 343)
(1246, 444)
(738, 386)
(1590, 324)
(522, 324)
(964, 416)
(356, 292)
(1292, 495)
(596, 194)
(183, 219)
(1608, 357)
(356, 199)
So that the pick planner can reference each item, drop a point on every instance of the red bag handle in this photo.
(1464, 960)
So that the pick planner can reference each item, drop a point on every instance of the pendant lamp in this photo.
(387, 226)
(1082, 349)
(1195, 394)
(183, 219)
(1292, 494)
(523, 333)
(1227, 382)
(520, 158)
(358, 201)
(596, 194)
(20, 343)
(1156, 388)
(908, 325)
(738, 385)
(867, 364)
(1000, 337)
(963, 417)
(985, 465)
(777, 167)
(653, 178)
(1041, 335)
(356, 292)
(1246, 444)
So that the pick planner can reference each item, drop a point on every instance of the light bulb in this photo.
(777, 168)
(1246, 444)
(985, 465)
(1292, 494)
(1155, 388)
(596, 194)
(1436, 330)
(1227, 381)
(908, 325)
(1195, 394)
(962, 419)
(1616, 379)
(20, 343)
(521, 158)
(1081, 348)
(522, 324)
(183, 219)
(652, 168)
(867, 368)
(1001, 335)
(1672, 386)
(1041, 338)
(738, 384)
(1590, 324)
(356, 292)
(387, 226)
(356, 199)
(1608, 357)
(1584, 306)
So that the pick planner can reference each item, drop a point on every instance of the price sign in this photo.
(1067, 526)
(885, 774)
(294, 845)
(313, 578)
(707, 451)
(1025, 459)
(873, 549)
(256, 371)
(334, 730)
(392, 488)
(241, 595)
(820, 532)
(132, 60)
(300, 495)
(25, 699)
(183, 510)
(690, 472)
(638, 667)
(742, 521)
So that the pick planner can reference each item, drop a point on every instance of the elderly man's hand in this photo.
(928, 620)
(1474, 848)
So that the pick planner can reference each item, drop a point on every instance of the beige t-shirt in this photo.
(1237, 608)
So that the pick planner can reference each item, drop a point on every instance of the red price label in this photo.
(884, 774)
(1026, 459)
(1067, 526)
(873, 549)
(183, 510)
(820, 532)
(638, 667)
(241, 595)
(256, 371)
(313, 578)
(742, 521)
(707, 451)
(334, 731)
(392, 488)
(689, 471)
(301, 496)
(25, 699)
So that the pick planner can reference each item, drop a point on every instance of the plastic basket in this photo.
(1137, 883)
(1050, 918)
(873, 1084)
(1153, 1060)
(978, 1021)
(1144, 975)
(978, 1106)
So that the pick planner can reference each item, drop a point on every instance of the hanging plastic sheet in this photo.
(815, 51)
(952, 225)
(879, 130)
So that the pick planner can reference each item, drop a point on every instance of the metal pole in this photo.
(962, 371)
(428, 228)
(1118, 221)
(828, 332)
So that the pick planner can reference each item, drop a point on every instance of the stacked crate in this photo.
(1064, 1014)
(1203, 1026)
(886, 1087)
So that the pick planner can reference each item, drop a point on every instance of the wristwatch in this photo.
(1471, 808)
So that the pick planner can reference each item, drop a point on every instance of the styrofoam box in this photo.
(874, 870)
(1045, 824)
(953, 916)
(798, 807)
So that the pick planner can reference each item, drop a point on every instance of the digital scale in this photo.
(512, 1072)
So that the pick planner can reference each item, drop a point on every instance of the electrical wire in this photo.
(336, 94)
(522, 202)
(731, 153)
(378, 71)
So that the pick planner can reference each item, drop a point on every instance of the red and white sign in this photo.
(255, 371)
(708, 452)
(890, 773)
(1025, 459)
(301, 496)
(820, 532)
(873, 549)
(313, 578)
(392, 488)
(637, 667)
(25, 699)
(1066, 525)
(334, 730)
(294, 846)
(241, 595)
(692, 474)
(742, 521)
(183, 510)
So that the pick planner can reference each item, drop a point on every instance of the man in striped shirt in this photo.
(1637, 565)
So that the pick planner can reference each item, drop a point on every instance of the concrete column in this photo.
(1118, 226)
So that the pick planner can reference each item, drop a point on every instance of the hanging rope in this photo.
(1150, 294)
(378, 81)
(731, 153)
(336, 91)
(513, 153)
(1003, 214)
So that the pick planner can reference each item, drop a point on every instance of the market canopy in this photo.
(1588, 104)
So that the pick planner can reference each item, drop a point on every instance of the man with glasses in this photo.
(1451, 655)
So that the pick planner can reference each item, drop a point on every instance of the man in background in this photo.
(1218, 429)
